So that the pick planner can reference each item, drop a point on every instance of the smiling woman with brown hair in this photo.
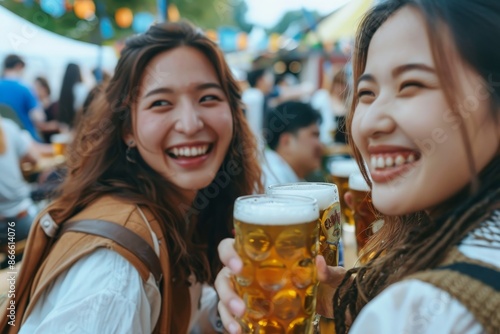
(164, 151)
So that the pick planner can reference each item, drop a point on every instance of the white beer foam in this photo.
(358, 182)
(343, 168)
(324, 193)
(268, 210)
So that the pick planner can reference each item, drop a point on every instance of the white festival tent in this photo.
(47, 54)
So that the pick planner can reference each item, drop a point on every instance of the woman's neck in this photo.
(486, 179)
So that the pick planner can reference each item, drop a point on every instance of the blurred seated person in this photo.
(332, 104)
(20, 98)
(16, 204)
(43, 92)
(256, 98)
(288, 88)
(294, 149)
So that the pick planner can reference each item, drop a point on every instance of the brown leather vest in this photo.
(45, 259)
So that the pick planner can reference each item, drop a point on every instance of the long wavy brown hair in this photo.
(97, 163)
(418, 241)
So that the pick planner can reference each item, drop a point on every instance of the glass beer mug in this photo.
(277, 239)
(364, 214)
(327, 196)
(339, 175)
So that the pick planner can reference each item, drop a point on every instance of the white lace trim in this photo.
(487, 234)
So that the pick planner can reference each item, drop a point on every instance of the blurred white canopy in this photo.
(47, 53)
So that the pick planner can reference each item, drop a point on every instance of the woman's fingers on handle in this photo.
(228, 255)
(329, 278)
(230, 304)
(228, 321)
(332, 276)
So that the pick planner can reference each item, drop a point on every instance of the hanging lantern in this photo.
(227, 39)
(84, 9)
(279, 67)
(124, 17)
(69, 4)
(274, 42)
(173, 13)
(55, 8)
(142, 21)
(295, 67)
(212, 35)
(106, 27)
(242, 41)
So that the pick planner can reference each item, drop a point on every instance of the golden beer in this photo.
(327, 196)
(60, 142)
(339, 174)
(276, 237)
(364, 213)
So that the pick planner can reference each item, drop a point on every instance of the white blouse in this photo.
(101, 293)
(104, 293)
(416, 307)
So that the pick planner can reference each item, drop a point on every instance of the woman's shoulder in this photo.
(120, 211)
(414, 306)
(115, 209)
(100, 286)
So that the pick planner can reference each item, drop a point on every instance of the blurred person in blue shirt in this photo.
(19, 97)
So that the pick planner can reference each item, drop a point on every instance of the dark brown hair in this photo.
(416, 242)
(66, 111)
(97, 164)
(44, 83)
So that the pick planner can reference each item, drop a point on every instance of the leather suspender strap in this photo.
(123, 237)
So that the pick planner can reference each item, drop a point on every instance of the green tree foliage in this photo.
(208, 14)
(239, 13)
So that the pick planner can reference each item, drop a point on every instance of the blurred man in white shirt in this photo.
(294, 148)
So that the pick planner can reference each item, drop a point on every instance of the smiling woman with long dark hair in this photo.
(424, 125)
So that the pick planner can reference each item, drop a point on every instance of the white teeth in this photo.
(380, 162)
(190, 151)
(400, 160)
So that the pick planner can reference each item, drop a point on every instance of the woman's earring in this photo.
(131, 153)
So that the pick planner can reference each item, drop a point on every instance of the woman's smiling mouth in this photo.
(390, 162)
(189, 151)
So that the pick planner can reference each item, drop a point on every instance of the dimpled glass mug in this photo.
(277, 239)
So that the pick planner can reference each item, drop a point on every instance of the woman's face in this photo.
(40, 91)
(404, 128)
(182, 124)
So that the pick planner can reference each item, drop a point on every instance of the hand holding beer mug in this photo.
(277, 238)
